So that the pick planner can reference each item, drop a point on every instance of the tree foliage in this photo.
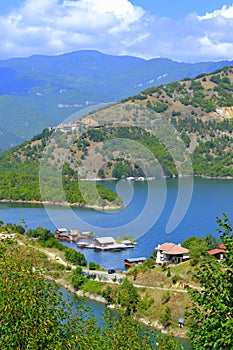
(35, 316)
(128, 297)
(211, 318)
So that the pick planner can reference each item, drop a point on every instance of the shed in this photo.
(134, 261)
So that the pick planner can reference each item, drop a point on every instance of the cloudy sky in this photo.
(182, 30)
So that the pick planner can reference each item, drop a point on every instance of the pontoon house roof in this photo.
(105, 240)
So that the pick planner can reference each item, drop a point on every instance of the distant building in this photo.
(218, 252)
(171, 253)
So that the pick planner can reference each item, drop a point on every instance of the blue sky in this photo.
(189, 31)
(180, 8)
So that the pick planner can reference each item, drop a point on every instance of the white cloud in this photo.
(47, 26)
(114, 27)
(225, 12)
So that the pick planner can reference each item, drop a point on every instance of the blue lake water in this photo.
(98, 310)
(210, 198)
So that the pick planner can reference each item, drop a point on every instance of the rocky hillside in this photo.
(44, 90)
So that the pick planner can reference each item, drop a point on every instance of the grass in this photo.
(93, 287)
(158, 276)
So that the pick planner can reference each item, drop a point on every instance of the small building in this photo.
(103, 242)
(84, 235)
(171, 253)
(63, 237)
(74, 235)
(128, 243)
(83, 244)
(60, 231)
(218, 252)
(134, 261)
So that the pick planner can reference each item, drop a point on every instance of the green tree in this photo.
(128, 297)
(101, 173)
(167, 343)
(75, 257)
(197, 247)
(166, 317)
(125, 333)
(33, 314)
(78, 278)
(211, 318)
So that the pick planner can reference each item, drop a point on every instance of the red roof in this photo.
(216, 251)
(172, 249)
(222, 246)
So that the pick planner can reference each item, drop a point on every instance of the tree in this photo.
(78, 278)
(211, 318)
(168, 343)
(35, 316)
(125, 333)
(75, 257)
(101, 173)
(128, 297)
(166, 317)
(197, 247)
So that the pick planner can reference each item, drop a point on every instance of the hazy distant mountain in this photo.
(44, 90)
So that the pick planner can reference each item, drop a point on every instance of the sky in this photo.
(187, 31)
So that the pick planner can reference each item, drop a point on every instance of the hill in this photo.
(44, 90)
(182, 128)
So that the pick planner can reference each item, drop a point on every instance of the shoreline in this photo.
(156, 325)
(107, 207)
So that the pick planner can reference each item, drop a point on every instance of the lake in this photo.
(210, 198)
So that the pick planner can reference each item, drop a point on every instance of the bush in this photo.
(93, 266)
(165, 297)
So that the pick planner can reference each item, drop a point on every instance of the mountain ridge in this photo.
(44, 90)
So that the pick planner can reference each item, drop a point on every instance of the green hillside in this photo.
(183, 128)
(21, 175)
(44, 90)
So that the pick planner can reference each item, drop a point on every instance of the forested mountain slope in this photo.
(182, 128)
(44, 90)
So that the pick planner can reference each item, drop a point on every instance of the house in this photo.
(74, 235)
(134, 261)
(218, 252)
(103, 242)
(171, 253)
(60, 231)
(109, 243)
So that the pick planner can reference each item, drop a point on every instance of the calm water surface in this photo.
(210, 199)
(98, 310)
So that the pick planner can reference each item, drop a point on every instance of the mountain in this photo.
(182, 128)
(44, 90)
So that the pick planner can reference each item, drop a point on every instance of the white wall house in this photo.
(171, 253)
